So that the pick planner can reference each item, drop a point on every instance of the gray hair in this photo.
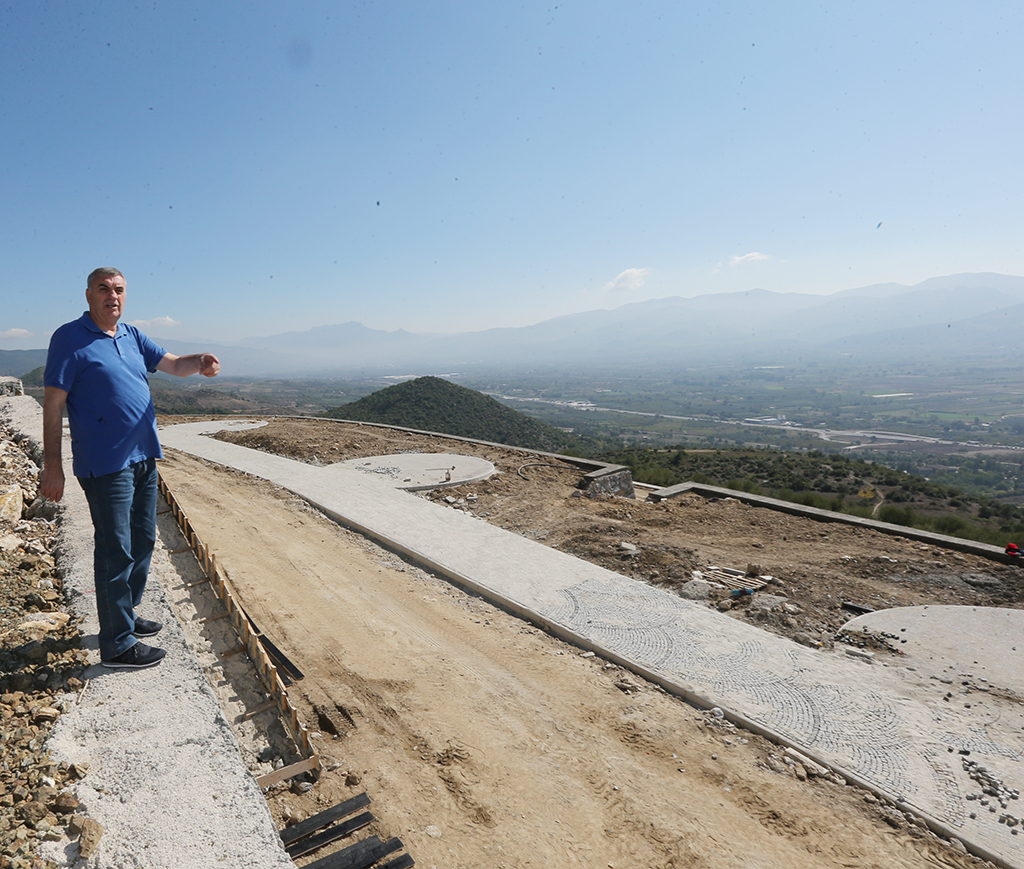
(105, 272)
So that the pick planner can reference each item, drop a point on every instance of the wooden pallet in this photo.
(734, 579)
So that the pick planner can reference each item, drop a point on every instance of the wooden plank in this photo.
(324, 818)
(347, 858)
(357, 856)
(403, 862)
(272, 778)
(331, 834)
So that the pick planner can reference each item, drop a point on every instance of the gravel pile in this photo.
(41, 664)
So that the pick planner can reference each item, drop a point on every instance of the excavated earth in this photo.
(514, 749)
(481, 740)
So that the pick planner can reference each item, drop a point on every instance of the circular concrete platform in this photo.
(418, 471)
(985, 642)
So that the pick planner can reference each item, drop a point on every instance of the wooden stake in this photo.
(215, 618)
(263, 707)
(237, 650)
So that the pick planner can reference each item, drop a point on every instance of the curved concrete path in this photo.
(415, 472)
(889, 727)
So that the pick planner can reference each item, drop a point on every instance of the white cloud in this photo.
(630, 280)
(156, 323)
(16, 333)
(746, 259)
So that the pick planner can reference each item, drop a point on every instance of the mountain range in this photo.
(957, 317)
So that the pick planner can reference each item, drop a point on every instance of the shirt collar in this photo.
(90, 324)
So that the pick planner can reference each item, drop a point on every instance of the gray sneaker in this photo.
(136, 658)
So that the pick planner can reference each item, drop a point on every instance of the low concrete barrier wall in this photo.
(943, 541)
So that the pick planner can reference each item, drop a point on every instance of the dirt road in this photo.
(485, 743)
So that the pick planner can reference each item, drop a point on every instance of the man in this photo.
(96, 368)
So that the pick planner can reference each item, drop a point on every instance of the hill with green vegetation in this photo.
(34, 378)
(832, 482)
(437, 405)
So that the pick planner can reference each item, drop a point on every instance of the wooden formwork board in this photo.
(250, 638)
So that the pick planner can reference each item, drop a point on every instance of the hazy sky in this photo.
(261, 167)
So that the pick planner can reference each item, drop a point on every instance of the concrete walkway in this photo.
(889, 727)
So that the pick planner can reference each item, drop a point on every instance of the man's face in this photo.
(106, 301)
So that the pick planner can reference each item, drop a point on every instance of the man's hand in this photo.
(209, 365)
(51, 482)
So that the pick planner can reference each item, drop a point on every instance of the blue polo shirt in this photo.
(110, 409)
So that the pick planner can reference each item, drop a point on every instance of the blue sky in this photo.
(256, 168)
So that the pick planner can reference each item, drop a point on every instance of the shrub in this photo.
(948, 524)
(896, 515)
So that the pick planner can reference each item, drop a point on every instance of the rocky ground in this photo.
(817, 575)
(40, 665)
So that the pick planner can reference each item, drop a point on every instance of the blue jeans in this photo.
(123, 507)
